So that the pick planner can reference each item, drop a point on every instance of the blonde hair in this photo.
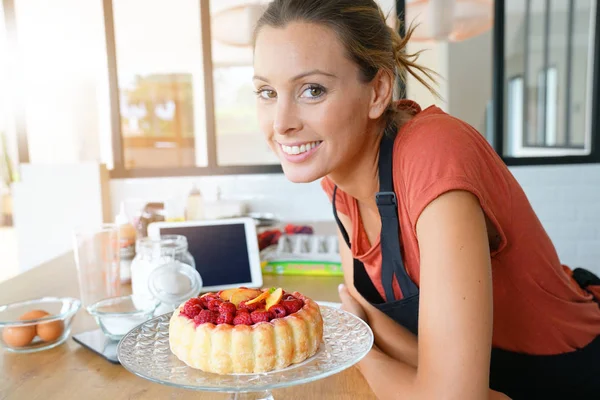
(361, 26)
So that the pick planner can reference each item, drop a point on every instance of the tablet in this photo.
(225, 250)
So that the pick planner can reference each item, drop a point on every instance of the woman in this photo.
(437, 237)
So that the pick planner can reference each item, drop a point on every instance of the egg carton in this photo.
(304, 247)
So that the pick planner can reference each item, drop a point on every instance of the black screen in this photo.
(220, 252)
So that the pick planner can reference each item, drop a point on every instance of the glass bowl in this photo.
(36, 325)
(117, 316)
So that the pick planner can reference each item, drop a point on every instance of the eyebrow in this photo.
(300, 76)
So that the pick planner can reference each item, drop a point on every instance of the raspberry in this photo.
(260, 316)
(203, 317)
(210, 296)
(242, 318)
(249, 307)
(214, 317)
(227, 308)
(289, 297)
(292, 306)
(203, 303)
(278, 311)
(225, 318)
(213, 305)
(192, 307)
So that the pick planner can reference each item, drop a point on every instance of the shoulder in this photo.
(435, 153)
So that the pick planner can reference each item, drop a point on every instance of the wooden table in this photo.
(70, 371)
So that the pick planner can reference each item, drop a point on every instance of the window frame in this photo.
(499, 91)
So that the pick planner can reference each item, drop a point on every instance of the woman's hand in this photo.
(350, 304)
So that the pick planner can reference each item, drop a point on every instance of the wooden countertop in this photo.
(71, 372)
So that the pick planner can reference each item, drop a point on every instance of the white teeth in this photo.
(300, 149)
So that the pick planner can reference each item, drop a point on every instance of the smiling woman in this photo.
(426, 212)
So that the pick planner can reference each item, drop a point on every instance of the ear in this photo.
(382, 92)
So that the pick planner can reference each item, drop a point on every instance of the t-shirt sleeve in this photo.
(442, 154)
(340, 198)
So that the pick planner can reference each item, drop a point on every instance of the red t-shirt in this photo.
(538, 308)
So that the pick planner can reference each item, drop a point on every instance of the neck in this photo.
(359, 176)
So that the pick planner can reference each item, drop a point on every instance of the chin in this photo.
(298, 174)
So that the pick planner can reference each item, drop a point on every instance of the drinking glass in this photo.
(98, 263)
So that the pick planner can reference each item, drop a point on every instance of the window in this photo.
(183, 86)
(546, 81)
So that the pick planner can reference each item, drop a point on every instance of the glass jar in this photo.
(164, 269)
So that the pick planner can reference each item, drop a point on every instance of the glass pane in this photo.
(61, 64)
(581, 72)
(161, 84)
(8, 160)
(514, 72)
(239, 139)
(551, 49)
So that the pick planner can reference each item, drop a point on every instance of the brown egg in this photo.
(18, 336)
(34, 314)
(50, 331)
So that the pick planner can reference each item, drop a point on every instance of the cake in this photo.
(245, 330)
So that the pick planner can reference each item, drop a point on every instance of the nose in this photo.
(286, 119)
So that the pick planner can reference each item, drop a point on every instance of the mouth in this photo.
(300, 151)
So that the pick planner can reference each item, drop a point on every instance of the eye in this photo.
(313, 92)
(266, 94)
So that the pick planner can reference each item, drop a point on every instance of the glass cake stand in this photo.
(145, 352)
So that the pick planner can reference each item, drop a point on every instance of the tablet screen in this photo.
(220, 252)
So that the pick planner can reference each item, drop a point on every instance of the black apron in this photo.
(574, 375)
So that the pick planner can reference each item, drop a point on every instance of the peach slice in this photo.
(261, 297)
(244, 295)
(274, 298)
(226, 294)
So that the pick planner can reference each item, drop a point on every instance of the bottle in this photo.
(195, 205)
(127, 238)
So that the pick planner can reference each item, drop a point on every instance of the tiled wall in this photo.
(566, 198)
(567, 201)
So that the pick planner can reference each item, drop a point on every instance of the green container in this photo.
(296, 267)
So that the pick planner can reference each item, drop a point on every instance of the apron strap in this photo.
(362, 280)
(387, 203)
(337, 219)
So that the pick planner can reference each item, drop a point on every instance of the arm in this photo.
(455, 325)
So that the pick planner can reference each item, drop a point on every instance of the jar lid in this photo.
(174, 283)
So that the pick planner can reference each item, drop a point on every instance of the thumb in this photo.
(345, 295)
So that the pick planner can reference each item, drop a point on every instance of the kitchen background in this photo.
(77, 78)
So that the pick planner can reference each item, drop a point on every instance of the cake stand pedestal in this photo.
(264, 395)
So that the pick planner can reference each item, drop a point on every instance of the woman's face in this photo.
(312, 106)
